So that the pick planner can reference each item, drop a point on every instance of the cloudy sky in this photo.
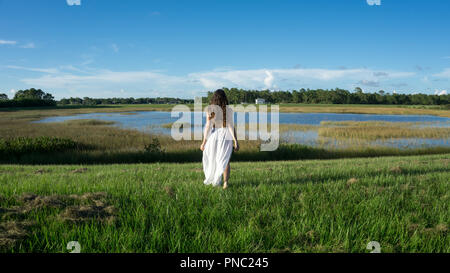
(117, 48)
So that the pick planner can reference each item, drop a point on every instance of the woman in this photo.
(219, 138)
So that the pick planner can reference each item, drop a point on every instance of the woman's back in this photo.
(217, 118)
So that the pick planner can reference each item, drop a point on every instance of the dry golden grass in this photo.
(13, 232)
(99, 135)
(377, 123)
(372, 132)
(254, 126)
(364, 109)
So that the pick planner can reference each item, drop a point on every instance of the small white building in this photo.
(260, 101)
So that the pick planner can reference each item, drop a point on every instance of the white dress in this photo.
(217, 154)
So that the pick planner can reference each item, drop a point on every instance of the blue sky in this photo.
(183, 48)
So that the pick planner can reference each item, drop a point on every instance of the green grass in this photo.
(249, 153)
(25, 145)
(292, 206)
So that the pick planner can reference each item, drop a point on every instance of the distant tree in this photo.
(296, 97)
(3, 97)
(64, 101)
(358, 90)
(33, 94)
(89, 101)
(75, 101)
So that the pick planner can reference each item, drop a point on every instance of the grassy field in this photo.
(272, 205)
(292, 206)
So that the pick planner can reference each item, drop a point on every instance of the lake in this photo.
(152, 121)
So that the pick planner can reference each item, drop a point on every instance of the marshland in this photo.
(83, 173)
(128, 134)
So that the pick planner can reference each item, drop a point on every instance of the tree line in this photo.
(93, 101)
(37, 97)
(28, 98)
(332, 96)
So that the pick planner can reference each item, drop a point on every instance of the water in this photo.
(152, 121)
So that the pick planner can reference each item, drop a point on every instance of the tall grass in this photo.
(298, 206)
(366, 109)
(109, 144)
(373, 132)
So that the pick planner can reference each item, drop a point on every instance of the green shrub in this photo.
(154, 146)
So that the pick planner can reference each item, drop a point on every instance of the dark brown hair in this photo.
(220, 98)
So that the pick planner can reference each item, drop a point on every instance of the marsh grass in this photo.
(380, 130)
(88, 122)
(378, 123)
(252, 127)
(285, 206)
(366, 109)
(26, 145)
(179, 125)
(110, 144)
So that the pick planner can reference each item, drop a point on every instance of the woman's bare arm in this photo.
(206, 131)
(233, 133)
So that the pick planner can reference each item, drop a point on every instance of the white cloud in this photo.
(374, 2)
(106, 80)
(5, 42)
(73, 2)
(93, 81)
(440, 92)
(267, 78)
(268, 81)
(12, 91)
(42, 70)
(443, 74)
(369, 83)
(15, 43)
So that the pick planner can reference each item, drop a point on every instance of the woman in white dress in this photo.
(219, 139)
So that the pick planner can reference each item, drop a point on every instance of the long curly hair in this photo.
(220, 98)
